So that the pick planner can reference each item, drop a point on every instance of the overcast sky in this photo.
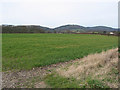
(54, 13)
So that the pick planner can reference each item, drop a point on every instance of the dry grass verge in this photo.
(101, 66)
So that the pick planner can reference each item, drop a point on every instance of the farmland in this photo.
(26, 51)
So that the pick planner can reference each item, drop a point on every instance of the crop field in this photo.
(26, 51)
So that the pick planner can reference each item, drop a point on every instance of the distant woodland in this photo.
(61, 29)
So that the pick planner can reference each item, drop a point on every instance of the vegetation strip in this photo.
(97, 76)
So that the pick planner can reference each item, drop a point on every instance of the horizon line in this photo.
(58, 26)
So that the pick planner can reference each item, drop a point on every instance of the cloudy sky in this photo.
(54, 13)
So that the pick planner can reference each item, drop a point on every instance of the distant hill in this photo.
(25, 29)
(64, 28)
(69, 27)
(84, 29)
(101, 28)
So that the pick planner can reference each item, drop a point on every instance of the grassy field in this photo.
(25, 51)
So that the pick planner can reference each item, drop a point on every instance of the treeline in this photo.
(40, 29)
(25, 29)
(30, 29)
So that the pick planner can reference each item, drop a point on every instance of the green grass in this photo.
(25, 51)
(57, 81)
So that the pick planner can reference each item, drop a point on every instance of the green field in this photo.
(25, 51)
